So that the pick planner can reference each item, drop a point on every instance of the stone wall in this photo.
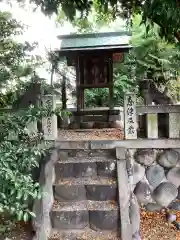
(156, 178)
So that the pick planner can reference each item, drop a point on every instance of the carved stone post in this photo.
(130, 119)
(174, 125)
(152, 125)
(130, 126)
(134, 210)
(49, 124)
(124, 194)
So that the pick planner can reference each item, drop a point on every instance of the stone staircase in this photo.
(85, 196)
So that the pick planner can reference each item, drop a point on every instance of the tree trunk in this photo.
(63, 94)
(151, 93)
(52, 74)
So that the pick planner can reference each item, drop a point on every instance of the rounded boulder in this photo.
(152, 207)
(138, 173)
(165, 193)
(155, 175)
(175, 206)
(145, 156)
(173, 176)
(143, 193)
(168, 159)
(178, 196)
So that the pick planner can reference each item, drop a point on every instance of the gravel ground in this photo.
(94, 134)
(89, 181)
(83, 205)
(21, 231)
(88, 234)
(155, 227)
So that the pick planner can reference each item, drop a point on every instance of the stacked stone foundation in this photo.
(157, 178)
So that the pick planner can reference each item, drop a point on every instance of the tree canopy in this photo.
(151, 56)
(164, 13)
(16, 60)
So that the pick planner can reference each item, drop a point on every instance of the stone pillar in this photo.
(174, 125)
(49, 124)
(130, 126)
(134, 210)
(124, 191)
(152, 125)
(130, 119)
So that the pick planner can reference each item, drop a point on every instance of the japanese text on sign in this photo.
(48, 104)
(130, 116)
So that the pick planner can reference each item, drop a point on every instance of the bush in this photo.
(20, 154)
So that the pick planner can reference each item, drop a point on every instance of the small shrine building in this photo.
(93, 56)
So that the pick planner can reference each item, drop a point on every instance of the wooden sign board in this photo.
(118, 57)
(95, 71)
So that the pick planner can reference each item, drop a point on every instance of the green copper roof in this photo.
(108, 40)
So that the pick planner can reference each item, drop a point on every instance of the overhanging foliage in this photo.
(165, 13)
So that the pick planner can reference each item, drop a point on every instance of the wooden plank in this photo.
(124, 195)
(174, 125)
(152, 125)
(111, 144)
(130, 118)
(158, 109)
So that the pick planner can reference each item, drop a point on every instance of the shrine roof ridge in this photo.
(95, 41)
(94, 35)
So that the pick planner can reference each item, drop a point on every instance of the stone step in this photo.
(77, 189)
(86, 169)
(86, 234)
(86, 159)
(98, 215)
(86, 155)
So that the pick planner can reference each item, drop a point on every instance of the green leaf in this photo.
(32, 214)
(25, 217)
(35, 194)
(19, 194)
(20, 215)
(25, 196)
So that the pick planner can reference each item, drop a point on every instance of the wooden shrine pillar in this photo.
(82, 98)
(110, 80)
(78, 103)
(79, 77)
(79, 88)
